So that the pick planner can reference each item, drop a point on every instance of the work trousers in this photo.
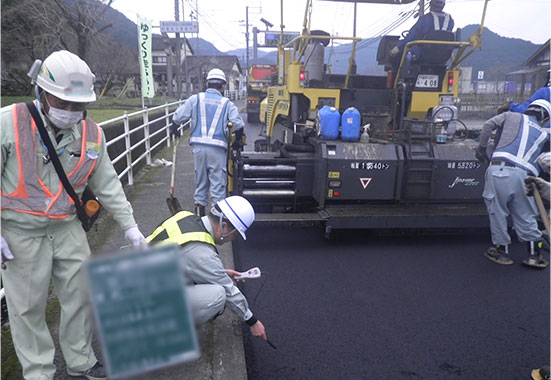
(504, 195)
(210, 172)
(206, 301)
(59, 256)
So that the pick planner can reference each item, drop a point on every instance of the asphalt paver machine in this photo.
(418, 168)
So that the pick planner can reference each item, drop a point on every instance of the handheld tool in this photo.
(172, 202)
(251, 273)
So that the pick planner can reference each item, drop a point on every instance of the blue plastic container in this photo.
(350, 124)
(329, 122)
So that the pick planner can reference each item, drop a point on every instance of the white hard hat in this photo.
(216, 74)
(66, 76)
(238, 211)
(540, 104)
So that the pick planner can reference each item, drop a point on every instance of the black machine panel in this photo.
(458, 174)
(356, 171)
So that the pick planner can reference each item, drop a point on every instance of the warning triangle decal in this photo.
(365, 182)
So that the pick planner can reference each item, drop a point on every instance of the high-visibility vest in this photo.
(182, 228)
(526, 146)
(31, 195)
(210, 128)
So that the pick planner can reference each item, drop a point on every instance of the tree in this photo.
(32, 29)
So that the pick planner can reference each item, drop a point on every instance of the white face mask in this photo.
(64, 119)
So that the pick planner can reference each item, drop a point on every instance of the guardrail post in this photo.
(146, 136)
(128, 151)
(167, 126)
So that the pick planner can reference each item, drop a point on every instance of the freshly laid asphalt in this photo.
(363, 306)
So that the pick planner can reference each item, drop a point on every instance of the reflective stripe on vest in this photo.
(526, 146)
(31, 195)
(207, 132)
(182, 228)
(437, 21)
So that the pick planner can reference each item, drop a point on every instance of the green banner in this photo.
(144, 42)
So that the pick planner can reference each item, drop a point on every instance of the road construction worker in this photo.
(212, 286)
(210, 113)
(41, 235)
(436, 19)
(520, 139)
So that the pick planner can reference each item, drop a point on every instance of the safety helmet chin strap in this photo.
(220, 215)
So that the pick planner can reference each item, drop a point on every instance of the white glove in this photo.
(134, 236)
(6, 251)
(544, 160)
(394, 51)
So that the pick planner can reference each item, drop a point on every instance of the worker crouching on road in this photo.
(41, 234)
(210, 113)
(213, 286)
(520, 139)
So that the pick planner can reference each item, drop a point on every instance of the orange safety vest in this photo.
(31, 195)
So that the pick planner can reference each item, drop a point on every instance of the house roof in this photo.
(158, 42)
(223, 62)
(536, 56)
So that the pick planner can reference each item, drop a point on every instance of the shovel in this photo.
(172, 202)
(541, 207)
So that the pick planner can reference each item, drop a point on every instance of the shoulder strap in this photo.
(55, 159)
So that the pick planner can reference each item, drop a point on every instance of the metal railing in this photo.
(235, 94)
(146, 141)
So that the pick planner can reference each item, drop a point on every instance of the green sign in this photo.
(141, 311)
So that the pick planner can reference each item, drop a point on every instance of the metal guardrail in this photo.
(146, 141)
(235, 94)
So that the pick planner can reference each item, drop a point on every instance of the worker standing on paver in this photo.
(42, 237)
(212, 287)
(210, 113)
(520, 140)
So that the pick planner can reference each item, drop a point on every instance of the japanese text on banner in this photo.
(144, 42)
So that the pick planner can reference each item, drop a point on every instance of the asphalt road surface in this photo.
(363, 306)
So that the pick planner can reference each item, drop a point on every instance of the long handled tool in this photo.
(541, 207)
(172, 202)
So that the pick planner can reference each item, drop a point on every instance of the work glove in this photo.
(542, 185)
(134, 236)
(394, 51)
(504, 107)
(6, 252)
(481, 155)
(174, 130)
(544, 160)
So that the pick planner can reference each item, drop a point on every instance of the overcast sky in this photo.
(222, 22)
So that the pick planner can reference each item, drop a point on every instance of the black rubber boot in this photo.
(535, 255)
(498, 254)
(199, 210)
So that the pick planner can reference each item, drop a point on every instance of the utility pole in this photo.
(186, 72)
(178, 53)
(247, 36)
(255, 44)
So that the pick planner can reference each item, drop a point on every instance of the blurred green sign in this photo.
(141, 311)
